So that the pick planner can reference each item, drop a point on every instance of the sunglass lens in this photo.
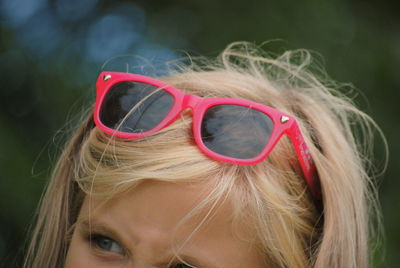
(135, 107)
(236, 131)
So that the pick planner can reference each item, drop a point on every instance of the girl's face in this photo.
(138, 229)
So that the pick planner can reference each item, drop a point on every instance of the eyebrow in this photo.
(93, 226)
(197, 263)
(89, 226)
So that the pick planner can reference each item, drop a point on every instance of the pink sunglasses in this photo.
(231, 130)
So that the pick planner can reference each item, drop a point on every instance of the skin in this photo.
(138, 229)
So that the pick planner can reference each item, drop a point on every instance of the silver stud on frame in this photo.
(106, 77)
(284, 119)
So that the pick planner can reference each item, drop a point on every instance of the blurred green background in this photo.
(52, 50)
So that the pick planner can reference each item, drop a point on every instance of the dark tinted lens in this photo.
(236, 131)
(135, 107)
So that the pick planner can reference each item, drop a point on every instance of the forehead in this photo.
(151, 201)
(150, 219)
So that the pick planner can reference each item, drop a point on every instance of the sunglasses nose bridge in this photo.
(190, 101)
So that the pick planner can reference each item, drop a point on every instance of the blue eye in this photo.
(106, 244)
(182, 265)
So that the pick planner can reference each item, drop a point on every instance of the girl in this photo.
(247, 161)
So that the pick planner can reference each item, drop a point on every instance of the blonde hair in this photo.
(271, 197)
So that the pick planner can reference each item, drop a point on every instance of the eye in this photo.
(182, 265)
(106, 244)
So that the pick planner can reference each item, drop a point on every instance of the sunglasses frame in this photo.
(282, 122)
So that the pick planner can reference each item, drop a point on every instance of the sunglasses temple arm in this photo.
(305, 160)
